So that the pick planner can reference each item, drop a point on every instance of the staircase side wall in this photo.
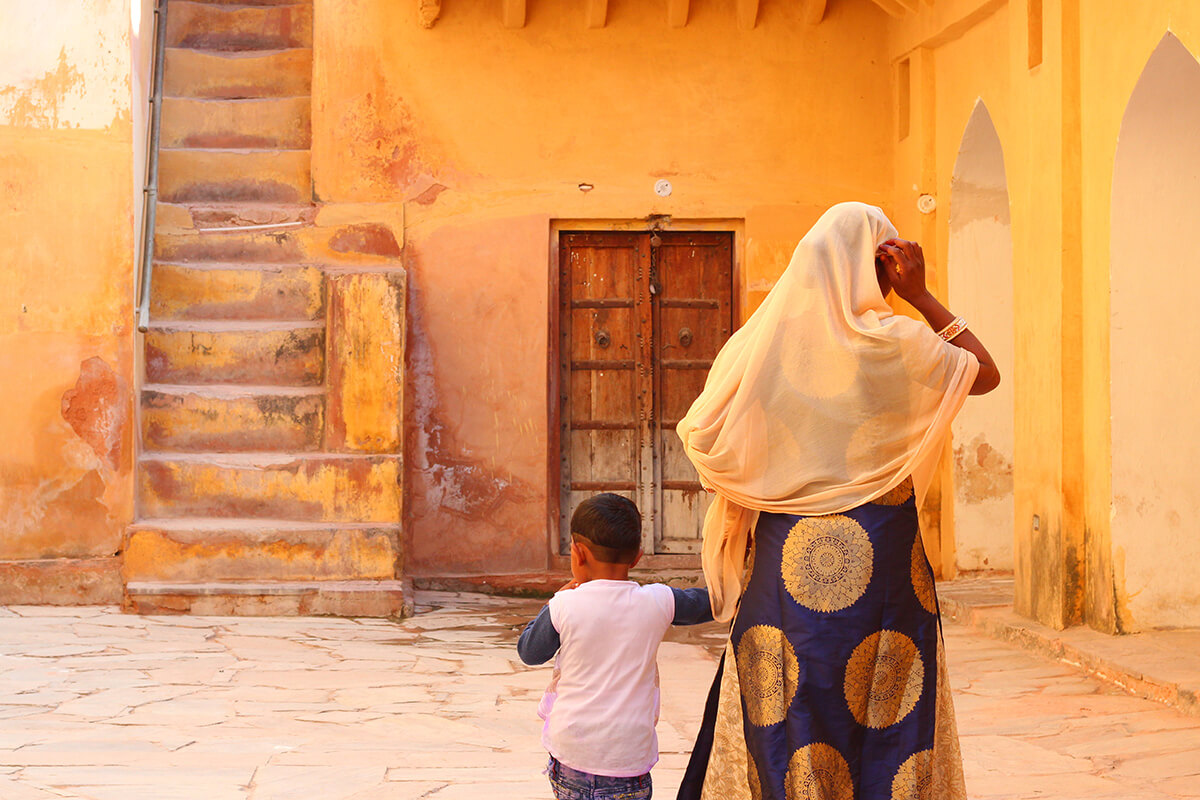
(66, 334)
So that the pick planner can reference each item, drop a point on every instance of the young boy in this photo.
(602, 703)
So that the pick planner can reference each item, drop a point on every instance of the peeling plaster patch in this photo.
(68, 68)
(982, 471)
(97, 410)
(457, 482)
(39, 103)
(430, 195)
(371, 238)
(386, 125)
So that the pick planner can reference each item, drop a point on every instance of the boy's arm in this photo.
(691, 606)
(539, 641)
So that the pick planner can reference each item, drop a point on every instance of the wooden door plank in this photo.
(646, 392)
(695, 318)
(599, 348)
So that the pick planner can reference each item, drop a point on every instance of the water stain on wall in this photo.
(982, 472)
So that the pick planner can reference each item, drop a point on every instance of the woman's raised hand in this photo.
(905, 265)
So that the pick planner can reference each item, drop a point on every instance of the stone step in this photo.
(387, 598)
(232, 419)
(197, 550)
(268, 176)
(217, 75)
(243, 216)
(270, 123)
(236, 352)
(235, 292)
(225, 26)
(360, 245)
(257, 2)
(310, 487)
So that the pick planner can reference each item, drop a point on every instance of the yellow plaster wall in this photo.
(485, 133)
(66, 244)
(1058, 123)
(1111, 67)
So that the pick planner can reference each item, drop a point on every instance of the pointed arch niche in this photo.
(981, 291)
(1155, 363)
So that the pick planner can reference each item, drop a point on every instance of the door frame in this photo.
(734, 226)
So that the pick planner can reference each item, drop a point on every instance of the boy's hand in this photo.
(571, 584)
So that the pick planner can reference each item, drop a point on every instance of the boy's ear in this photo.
(579, 553)
(636, 559)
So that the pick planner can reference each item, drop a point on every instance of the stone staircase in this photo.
(270, 468)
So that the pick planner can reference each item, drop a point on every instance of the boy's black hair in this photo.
(611, 525)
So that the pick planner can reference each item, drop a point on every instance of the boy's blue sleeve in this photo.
(539, 641)
(691, 606)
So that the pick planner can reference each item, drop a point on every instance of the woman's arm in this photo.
(905, 268)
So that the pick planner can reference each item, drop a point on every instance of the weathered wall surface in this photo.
(66, 358)
(1102, 504)
(485, 133)
(1139, 167)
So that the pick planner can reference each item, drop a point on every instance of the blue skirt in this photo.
(833, 684)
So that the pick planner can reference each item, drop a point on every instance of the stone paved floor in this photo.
(97, 705)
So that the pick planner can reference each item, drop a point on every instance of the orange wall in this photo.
(66, 354)
(484, 133)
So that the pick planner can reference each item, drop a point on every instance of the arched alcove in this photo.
(1155, 364)
(981, 291)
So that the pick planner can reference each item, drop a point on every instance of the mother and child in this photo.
(819, 431)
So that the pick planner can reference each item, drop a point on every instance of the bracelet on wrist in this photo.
(956, 326)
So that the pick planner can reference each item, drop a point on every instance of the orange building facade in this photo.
(429, 272)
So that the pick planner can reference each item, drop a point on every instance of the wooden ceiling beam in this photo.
(514, 13)
(814, 11)
(677, 13)
(597, 13)
(747, 14)
(428, 12)
(892, 7)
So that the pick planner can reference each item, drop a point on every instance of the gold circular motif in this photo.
(752, 778)
(818, 772)
(922, 578)
(768, 673)
(827, 562)
(884, 679)
(914, 779)
(896, 496)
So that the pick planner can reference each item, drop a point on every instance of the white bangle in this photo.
(953, 329)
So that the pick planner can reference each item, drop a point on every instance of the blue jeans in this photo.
(571, 784)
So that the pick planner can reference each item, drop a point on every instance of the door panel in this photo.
(693, 318)
(640, 321)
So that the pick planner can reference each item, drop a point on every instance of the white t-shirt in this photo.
(602, 703)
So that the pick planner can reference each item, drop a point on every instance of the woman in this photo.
(819, 429)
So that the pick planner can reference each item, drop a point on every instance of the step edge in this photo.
(218, 325)
(202, 588)
(232, 54)
(233, 391)
(257, 457)
(241, 151)
(247, 100)
(235, 524)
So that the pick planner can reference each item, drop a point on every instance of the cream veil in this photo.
(823, 400)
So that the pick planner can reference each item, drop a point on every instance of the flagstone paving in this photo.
(103, 706)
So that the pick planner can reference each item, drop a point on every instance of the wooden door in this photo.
(641, 317)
